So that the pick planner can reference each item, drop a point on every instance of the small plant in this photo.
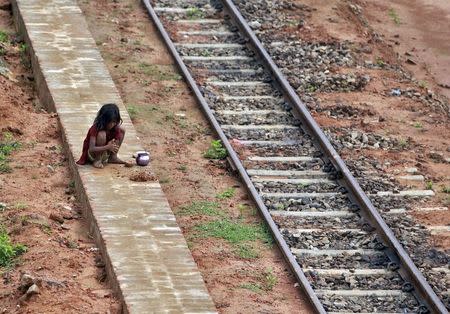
(20, 206)
(402, 143)
(133, 112)
(269, 279)
(235, 232)
(216, 151)
(380, 62)
(423, 84)
(205, 53)
(246, 251)
(228, 193)
(446, 189)
(394, 16)
(254, 287)
(9, 251)
(182, 168)
(429, 185)
(3, 37)
(194, 13)
(201, 208)
(158, 73)
(418, 125)
(164, 180)
(7, 146)
(46, 229)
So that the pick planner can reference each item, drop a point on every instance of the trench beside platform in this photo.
(147, 258)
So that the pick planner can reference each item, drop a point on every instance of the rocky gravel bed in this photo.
(378, 260)
(232, 65)
(405, 303)
(242, 90)
(184, 4)
(281, 187)
(347, 138)
(272, 117)
(217, 102)
(354, 281)
(315, 164)
(331, 240)
(329, 203)
(237, 75)
(206, 52)
(264, 134)
(292, 222)
(301, 147)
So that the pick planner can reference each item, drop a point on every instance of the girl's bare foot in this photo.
(116, 160)
(97, 164)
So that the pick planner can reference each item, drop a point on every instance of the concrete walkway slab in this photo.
(148, 261)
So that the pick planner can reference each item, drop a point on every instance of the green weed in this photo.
(234, 232)
(245, 250)
(394, 16)
(20, 206)
(380, 62)
(423, 84)
(228, 193)
(3, 37)
(164, 180)
(133, 112)
(402, 143)
(269, 279)
(7, 146)
(182, 168)
(9, 251)
(429, 185)
(446, 189)
(201, 208)
(194, 13)
(418, 125)
(206, 53)
(255, 287)
(216, 151)
(157, 73)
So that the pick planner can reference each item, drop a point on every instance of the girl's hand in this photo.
(112, 146)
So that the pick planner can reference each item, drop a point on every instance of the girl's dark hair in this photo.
(106, 114)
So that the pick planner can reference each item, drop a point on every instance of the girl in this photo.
(104, 138)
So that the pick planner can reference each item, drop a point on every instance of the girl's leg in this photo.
(113, 159)
(100, 141)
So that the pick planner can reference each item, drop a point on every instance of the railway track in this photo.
(341, 251)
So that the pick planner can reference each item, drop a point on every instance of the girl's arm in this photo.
(112, 146)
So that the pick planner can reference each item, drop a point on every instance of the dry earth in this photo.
(172, 127)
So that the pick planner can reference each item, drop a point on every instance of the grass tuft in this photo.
(394, 16)
(216, 151)
(194, 13)
(235, 232)
(228, 193)
(158, 73)
(133, 111)
(9, 251)
(201, 208)
(7, 146)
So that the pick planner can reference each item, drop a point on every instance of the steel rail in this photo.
(298, 272)
(422, 288)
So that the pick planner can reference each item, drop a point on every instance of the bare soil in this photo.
(41, 211)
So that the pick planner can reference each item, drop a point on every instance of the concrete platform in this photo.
(148, 262)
